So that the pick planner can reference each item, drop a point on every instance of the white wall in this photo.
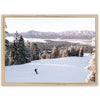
(49, 92)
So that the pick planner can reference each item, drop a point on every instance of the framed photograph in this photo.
(50, 50)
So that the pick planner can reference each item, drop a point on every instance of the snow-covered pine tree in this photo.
(43, 55)
(73, 51)
(63, 53)
(39, 55)
(13, 56)
(34, 51)
(48, 56)
(66, 52)
(28, 52)
(16, 37)
(60, 53)
(77, 51)
(17, 54)
(7, 48)
(55, 52)
(69, 51)
(81, 52)
(21, 51)
(92, 67)
(13, 59)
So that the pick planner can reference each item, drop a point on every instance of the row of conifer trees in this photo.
(19, 52)
(56, 53)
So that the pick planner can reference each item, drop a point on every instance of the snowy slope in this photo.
(66, 70)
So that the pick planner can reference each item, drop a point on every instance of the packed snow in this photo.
(59, 70)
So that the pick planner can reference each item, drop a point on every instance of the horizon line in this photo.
(52, 31)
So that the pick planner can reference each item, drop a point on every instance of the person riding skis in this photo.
(36, 71)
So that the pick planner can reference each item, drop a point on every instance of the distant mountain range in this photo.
(61, 35)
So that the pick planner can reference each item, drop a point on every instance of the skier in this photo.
(36, 71)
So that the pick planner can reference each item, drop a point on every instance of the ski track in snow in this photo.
(61, 70)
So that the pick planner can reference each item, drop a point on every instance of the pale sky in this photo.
(49, 24)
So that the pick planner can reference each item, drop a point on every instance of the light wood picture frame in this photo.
(93, 75)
